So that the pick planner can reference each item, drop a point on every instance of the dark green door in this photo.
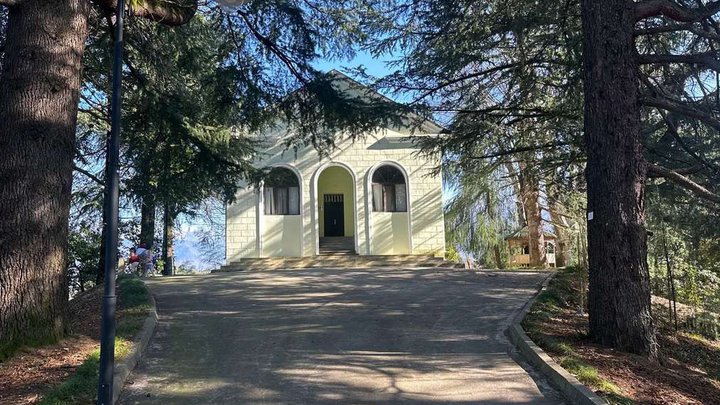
(334, 215)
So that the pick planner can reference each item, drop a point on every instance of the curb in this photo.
(569, 386)
(126, 365)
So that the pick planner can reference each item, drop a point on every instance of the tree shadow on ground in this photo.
(328, 336)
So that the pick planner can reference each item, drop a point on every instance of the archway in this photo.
(336, 219)
(388, 224)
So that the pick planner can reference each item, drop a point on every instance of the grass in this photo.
(561, 294)
(133, 306)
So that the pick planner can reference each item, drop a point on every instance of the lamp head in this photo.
(230, 4)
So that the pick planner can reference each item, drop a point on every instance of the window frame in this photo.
(383, 190)
(282, 200)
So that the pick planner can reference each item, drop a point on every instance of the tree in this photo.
(39, 92)
(507, 74)
(619, 297)
(477, 216)
(3, 27)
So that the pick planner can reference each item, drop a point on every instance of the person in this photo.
(145, 256)
(133, 256)
(134, 260)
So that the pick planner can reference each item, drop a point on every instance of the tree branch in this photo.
(683, 171)
(707, 59)
(691, 27)
(272, 47)
(682, 110)
(89, 175)
(682, 181)
(167, 12)
(672, 128)
(674, 11)
(521, 149)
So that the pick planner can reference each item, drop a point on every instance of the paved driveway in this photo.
(324, 336)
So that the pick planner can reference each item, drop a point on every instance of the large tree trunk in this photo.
(147, 221)
(168, 249)
(3, 25)
(530, 197)
(519, 209)
(39, 89)
(619, 298)
(561, 241)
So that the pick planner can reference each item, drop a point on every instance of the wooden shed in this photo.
(519, 248)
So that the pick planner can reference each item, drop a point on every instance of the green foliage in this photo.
(691, 235)
(134, 296)
(193, 94)
(83, 258)
(504, 75)
(477, 217)
(451, 251)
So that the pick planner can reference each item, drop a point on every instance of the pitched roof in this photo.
(524, 232)
(427, 126)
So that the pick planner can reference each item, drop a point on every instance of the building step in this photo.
(338, 260)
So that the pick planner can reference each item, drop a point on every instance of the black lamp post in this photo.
(112, 193)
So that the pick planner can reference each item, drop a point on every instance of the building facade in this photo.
(371, 196)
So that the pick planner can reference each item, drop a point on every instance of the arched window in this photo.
(389, 191)
(549, 247)
(281, 192)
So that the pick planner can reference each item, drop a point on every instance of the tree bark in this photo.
(619, 296)
(147, 221)
(497, 256)
(561, 240)
(3, 25)
(39, 91)
(519, 209)
(530, 197)
(168, 249)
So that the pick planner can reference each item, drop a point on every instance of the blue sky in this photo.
(374, 67)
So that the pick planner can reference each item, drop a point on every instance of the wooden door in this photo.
(334, 207)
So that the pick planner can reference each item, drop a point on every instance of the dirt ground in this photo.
(24, 377)
(688, 371)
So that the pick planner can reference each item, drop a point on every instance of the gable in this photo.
(396, 133)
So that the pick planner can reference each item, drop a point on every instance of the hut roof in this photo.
(524, 232)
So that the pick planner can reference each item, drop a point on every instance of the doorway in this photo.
(334, 207)
(336, 218)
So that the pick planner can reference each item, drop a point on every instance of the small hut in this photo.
(519, 248)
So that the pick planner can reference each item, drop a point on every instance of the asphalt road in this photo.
(337, 336)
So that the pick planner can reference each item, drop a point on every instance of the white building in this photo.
(372, 196)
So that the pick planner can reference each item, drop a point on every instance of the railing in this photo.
(519, 260)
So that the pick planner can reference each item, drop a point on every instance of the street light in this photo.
(112, 193)
(107, 331)
(231, 4)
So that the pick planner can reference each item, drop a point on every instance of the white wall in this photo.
(389, 234)
(281, 236)
(240, 238)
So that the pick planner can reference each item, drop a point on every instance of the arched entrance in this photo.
(335, 205)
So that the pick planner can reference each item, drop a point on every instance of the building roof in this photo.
(426, 126)
(524, 232)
